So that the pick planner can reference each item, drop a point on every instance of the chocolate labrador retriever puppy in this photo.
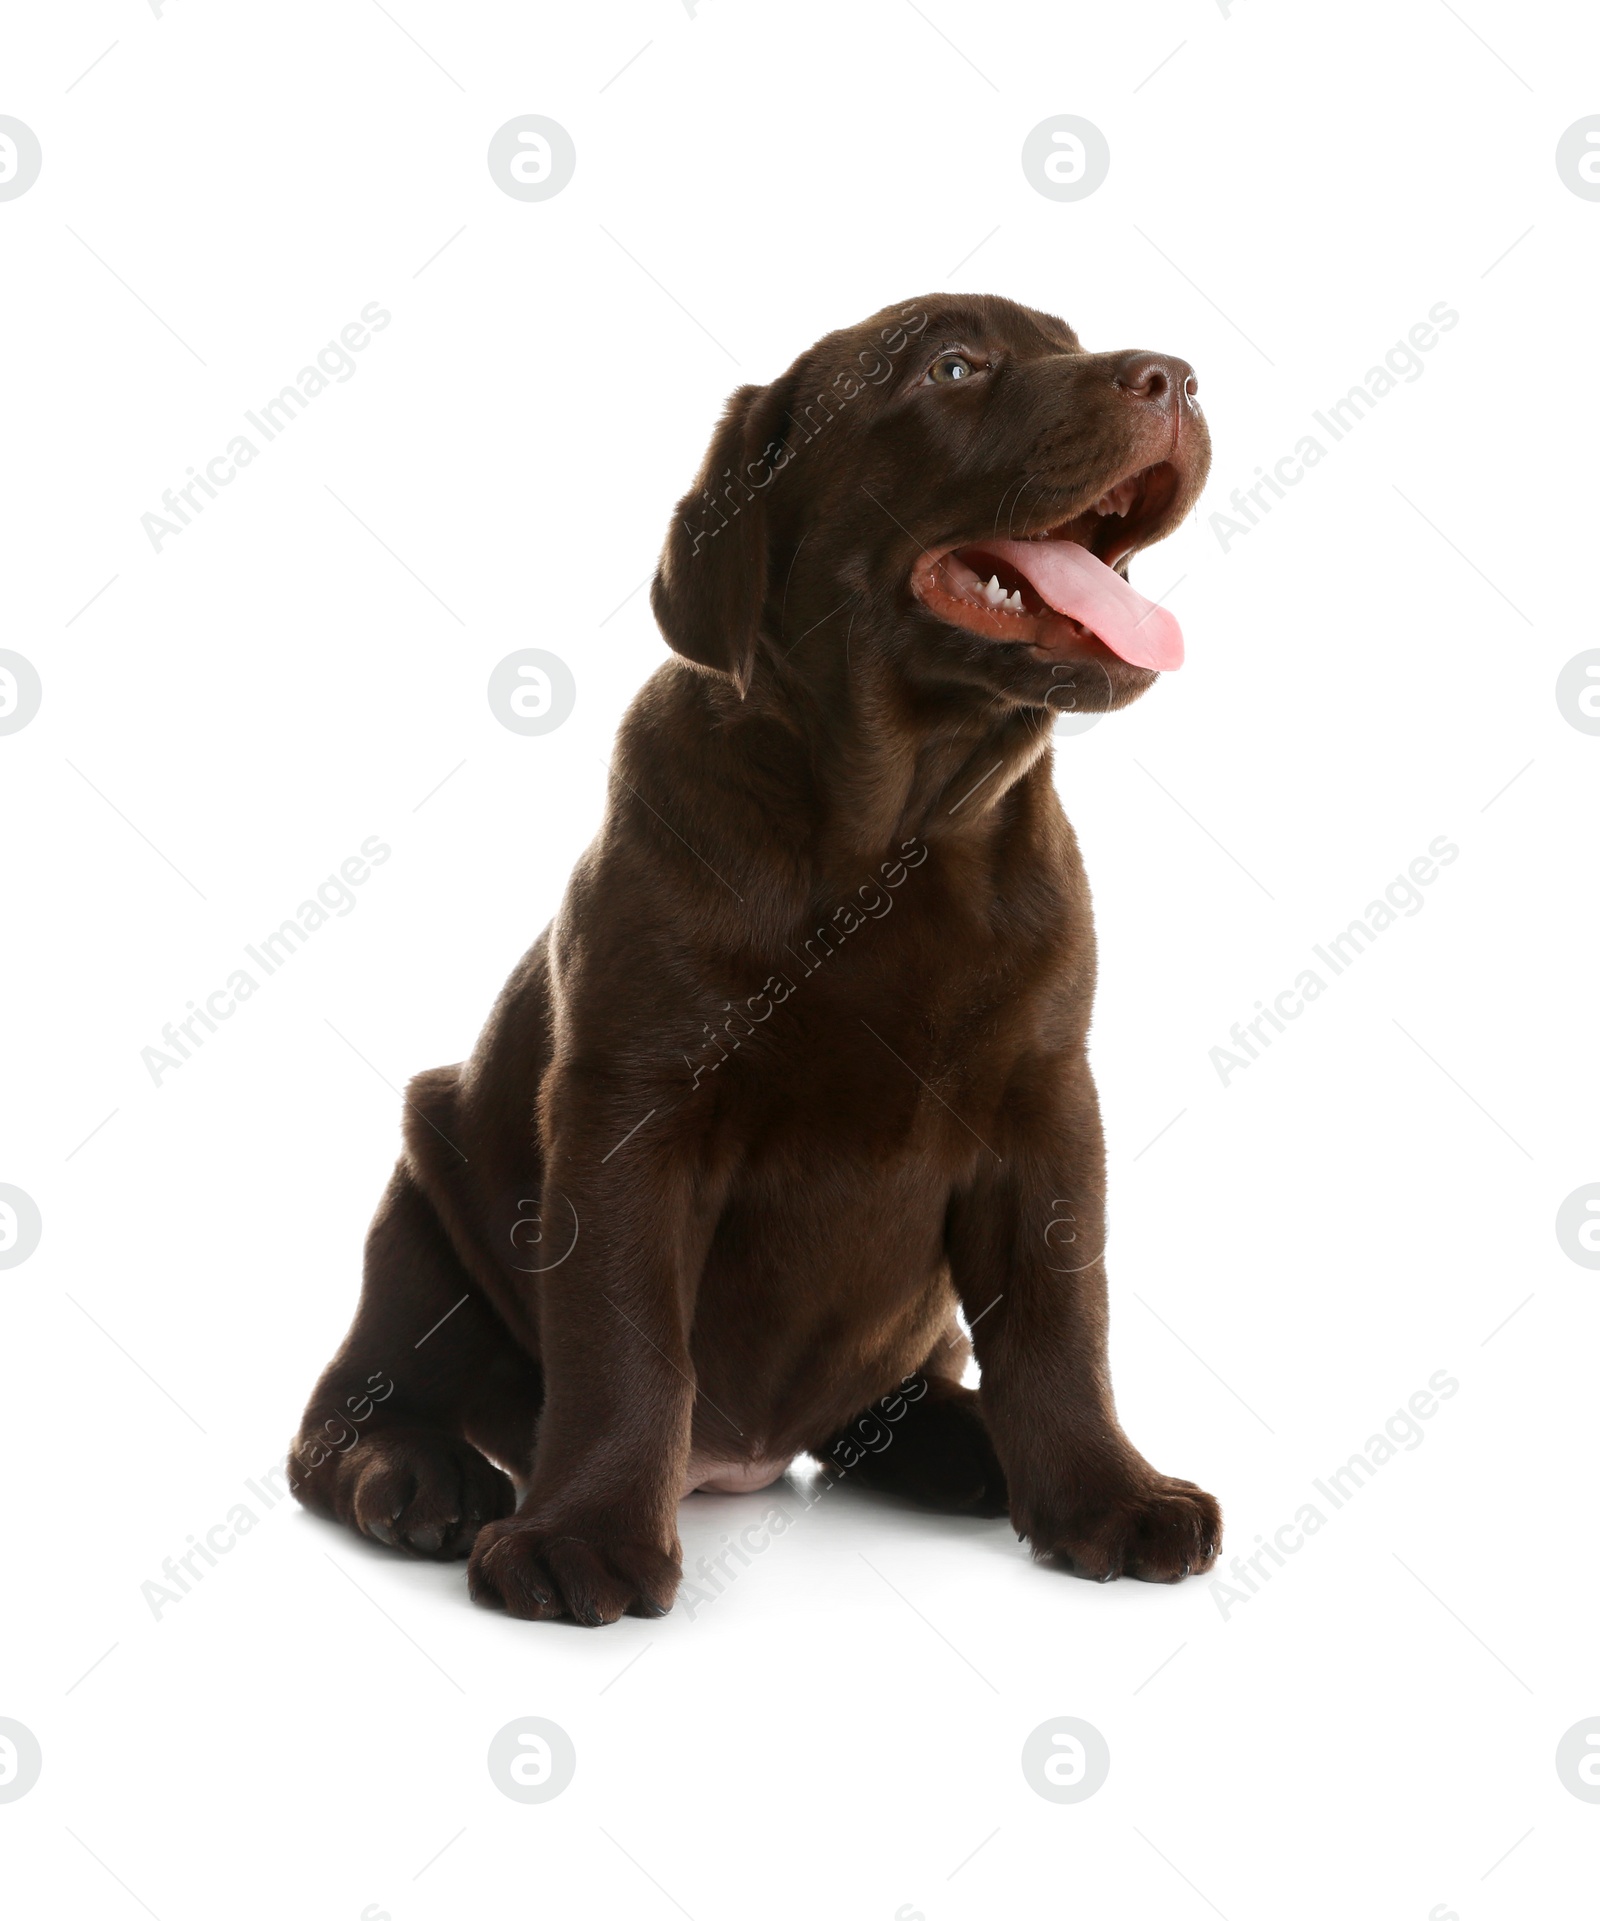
(798, 1071)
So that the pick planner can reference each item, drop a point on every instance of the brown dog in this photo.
(799, 1069)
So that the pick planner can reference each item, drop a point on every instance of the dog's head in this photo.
(953, 488)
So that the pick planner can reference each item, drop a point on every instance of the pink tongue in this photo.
(1068, 578)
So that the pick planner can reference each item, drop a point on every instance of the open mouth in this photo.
(1060, 589)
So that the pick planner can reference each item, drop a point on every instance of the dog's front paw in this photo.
(1148, 1526)
(584, 1572)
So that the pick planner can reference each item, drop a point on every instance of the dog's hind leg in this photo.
(935, 1450)
(427, 1370)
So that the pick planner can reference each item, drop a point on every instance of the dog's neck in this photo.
(884, 763)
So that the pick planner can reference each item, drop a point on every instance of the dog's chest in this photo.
(888, 1023)
(833, 1062)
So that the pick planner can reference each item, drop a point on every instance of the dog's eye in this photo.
(950, 367)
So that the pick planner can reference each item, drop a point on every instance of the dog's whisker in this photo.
(816, 624)
(783, 608)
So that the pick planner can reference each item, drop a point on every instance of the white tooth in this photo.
(1015, 601)
(992, 592)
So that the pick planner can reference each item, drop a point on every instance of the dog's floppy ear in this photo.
(711, 583)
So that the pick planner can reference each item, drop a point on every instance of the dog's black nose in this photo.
(1157, 378)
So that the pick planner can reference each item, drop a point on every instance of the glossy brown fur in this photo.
(739, 1138)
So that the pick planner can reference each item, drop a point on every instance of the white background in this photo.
(224, 722)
